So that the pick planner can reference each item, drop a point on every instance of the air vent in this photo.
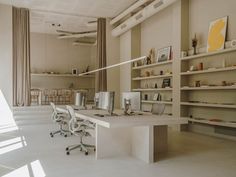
(158, 4)
(139, 16)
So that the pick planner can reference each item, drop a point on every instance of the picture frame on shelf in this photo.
(166, 83)
(217, 34)
(157, 97)
(164, 54)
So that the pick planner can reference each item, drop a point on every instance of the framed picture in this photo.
(166, 83)
(216, 34)
(163, 54)
(157, 97)
(74, 71)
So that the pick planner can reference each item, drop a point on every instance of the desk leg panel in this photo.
(112, 142)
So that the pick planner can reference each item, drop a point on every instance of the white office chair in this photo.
(79, 127)
(158, 108)
(61, 119)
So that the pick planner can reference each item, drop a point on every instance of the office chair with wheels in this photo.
(79, 127)
(61, 119)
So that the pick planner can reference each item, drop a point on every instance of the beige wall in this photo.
(6, 52)
(202, 12)
(51, 54)
(113, 57)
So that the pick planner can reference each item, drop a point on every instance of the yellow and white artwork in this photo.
(216, 34)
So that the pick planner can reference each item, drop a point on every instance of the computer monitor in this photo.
(134, 99)
(106, 101)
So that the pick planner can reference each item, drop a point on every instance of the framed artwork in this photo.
(157, 97)
(163, 54)
(216, 34)
(166, 83)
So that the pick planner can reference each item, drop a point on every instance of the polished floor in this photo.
(30, 151)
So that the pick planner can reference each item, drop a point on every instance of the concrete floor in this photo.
(30, 151)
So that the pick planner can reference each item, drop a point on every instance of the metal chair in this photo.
(61, 119)
(79, 127)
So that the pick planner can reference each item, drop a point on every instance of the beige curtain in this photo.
(101, 76)
(21, 57)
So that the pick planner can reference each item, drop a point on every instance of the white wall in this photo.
(202, 12)
(51, 54)
(6, 53)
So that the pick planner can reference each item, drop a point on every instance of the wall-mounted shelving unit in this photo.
(212, 100)
(152, 77)
(146, 85)
(61, 75)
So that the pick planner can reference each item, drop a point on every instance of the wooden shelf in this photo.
(152, 102)
(152, 77)
(232, 68)
(225, 124)
(208, 105)
(152, 65)
(210, 88)
(61, 75)
(208, 54)
(152, 89)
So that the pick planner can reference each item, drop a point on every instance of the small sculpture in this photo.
(194, 44)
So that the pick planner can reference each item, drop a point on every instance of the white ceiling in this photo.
(73, 15)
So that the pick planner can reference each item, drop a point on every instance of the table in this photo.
(142, 136)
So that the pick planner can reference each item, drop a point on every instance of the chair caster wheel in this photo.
(65, 136)
(94, 149)
(51, 135)
(67, 153)
(71, 133)
(67, 149)
(86, 153)
(80, 149)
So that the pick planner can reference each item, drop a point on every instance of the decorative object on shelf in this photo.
(183, 54)
(197, 83)
(216, 34)
(194, 44)
(166, 83)
(87, 69)
(233, 43)
(192, 68)
(135, 64)
(145, 97)
(168, 72)
(164, 54)
(157, 97)
(147, 73)
(200, 66)
(74, 71)
(156, 85)
(224, 83)
(161, 72)
(151, 56)
(152, 73)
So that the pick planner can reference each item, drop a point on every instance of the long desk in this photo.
(143, 136)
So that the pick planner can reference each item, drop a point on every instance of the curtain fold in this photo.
(101, 76)
(21, 57)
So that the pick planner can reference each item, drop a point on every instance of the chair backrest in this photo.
(158, 108)
(73, 124)
(54, 112)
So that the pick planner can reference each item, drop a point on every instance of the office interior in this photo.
(101, 88)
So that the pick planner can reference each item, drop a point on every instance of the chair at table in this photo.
(158, 108)
(79, 127)
(61, 119)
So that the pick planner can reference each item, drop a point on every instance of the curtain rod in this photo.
(113, 66)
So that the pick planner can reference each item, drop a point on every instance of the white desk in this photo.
(143, 136)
